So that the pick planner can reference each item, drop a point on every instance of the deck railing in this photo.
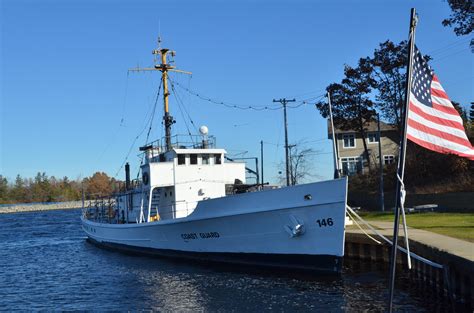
(105, 210)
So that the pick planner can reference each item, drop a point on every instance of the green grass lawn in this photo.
(457, 225)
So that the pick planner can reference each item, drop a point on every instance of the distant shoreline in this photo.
(38, 207)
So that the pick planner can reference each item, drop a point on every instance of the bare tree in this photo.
(301, 164)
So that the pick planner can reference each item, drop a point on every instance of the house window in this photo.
(181, 159)
(193, 159)
(373, 137)
(349, 140)
(205, 159)
(388, 159)
(217, 158)
(351, 165)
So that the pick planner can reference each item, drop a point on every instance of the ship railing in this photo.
(180, 141)
(193, 142)
(172, 210)
(102, 210)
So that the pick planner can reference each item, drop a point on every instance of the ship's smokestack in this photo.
(127, 176)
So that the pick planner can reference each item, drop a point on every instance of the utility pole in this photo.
(284, 101)
(382, 206)
(261, 160)
(292, 170)
(257, 178)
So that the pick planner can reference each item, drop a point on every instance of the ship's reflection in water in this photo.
(46, 264)
(171, 292)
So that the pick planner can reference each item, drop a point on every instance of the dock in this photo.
(455, 280)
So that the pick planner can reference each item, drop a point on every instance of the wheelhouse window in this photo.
(351, 165)
(388, 159)
(181, 159)
(217, 159)
(349, 140)
(372, 137)
(205, 159)
(193, 159)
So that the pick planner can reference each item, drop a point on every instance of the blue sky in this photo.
(68, 107)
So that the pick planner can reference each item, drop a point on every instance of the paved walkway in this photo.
(451, 245)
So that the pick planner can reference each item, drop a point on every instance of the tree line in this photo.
(44, 188)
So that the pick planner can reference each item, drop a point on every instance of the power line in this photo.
(449, 46)
(448, 55)
(179, 100)
(181, 111)
(122, 120)
(244, 107)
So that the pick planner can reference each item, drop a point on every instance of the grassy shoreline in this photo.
(456, 225)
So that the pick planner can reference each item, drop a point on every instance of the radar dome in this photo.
(203, 130)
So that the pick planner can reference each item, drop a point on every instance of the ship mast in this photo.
(164, 67)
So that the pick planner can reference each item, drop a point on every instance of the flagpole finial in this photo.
(413, 19)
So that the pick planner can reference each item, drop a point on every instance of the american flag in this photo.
(433, 122)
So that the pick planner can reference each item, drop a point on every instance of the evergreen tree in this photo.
(19, 190)
(41, 188)
(3, 189)
(352, 107)
(389, 64)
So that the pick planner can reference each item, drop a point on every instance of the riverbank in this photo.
(28, 207)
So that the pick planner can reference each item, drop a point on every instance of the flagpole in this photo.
(401, 159)
(334, 149)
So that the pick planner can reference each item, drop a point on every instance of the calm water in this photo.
(46, 263)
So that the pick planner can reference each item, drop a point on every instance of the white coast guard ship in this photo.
(193, 203)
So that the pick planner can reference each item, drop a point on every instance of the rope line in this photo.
(247, 107)
(141, 132)
(413, 255)
(402, 207)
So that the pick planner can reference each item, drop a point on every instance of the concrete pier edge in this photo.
(36, 207)
(455, 281)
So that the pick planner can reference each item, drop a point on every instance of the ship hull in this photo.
(299, 262)
(300, 227)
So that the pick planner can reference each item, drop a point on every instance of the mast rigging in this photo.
(164, 67)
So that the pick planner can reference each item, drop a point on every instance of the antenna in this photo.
(159, 33)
